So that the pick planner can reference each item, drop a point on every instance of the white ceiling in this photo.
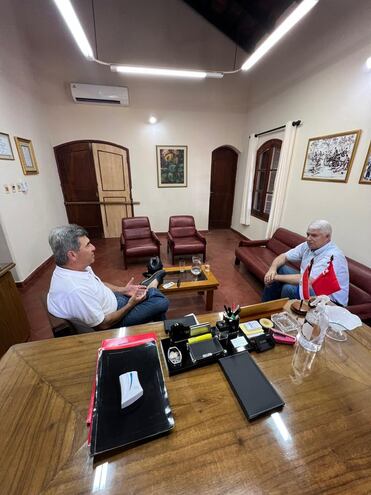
(168, 33)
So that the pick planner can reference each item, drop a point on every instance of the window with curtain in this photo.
(266, 166)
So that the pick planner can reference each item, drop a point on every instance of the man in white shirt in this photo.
(77, 293)
(283, 281)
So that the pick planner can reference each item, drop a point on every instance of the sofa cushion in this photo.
(360, 283)
(283, 240)
(183, 231)
(146, 248)
(186, 245)
(138, 233)
(257, 259)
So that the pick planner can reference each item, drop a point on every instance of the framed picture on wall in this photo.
(366, 171)
(330, 158)
(26, 155)
(171, 166)
(6, 152)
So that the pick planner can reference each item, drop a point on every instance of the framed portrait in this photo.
(171, 166)
(6, 152)
(330, 158)
(366, 171)
(26, 155)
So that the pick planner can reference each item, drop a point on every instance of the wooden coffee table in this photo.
(206, 282)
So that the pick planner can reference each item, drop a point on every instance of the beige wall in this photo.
(25, 218)
(335, 99)
(202, 132)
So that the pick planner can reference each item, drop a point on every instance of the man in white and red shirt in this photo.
(282, 280)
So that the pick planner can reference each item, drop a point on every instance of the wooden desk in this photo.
(319, 443)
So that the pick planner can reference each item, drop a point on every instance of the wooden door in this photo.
(223, 178)
(79, 185)
(114, 187)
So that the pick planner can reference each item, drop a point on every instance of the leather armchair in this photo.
(137, 239)
(183, 237)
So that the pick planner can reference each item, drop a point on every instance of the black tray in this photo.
(187, 363)
(113, 427)
(254, 392)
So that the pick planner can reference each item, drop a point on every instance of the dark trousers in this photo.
(153, 308)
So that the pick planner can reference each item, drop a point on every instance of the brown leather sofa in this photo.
(257, 256)
(183, 238)
(137, 239)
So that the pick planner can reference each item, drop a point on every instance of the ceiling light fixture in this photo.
(301, 10)
(69, 15)
(152, 119)
(152, 71)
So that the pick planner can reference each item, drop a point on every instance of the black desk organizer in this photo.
(254, 344)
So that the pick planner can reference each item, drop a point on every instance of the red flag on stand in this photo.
(326, 283)
(304, 284)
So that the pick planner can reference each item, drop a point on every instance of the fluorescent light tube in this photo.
(368, 63)
(151, 71)
(73, 23)
(297, 14)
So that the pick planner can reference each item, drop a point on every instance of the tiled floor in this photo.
(236, 285)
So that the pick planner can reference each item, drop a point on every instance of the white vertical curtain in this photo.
(249, 181)
(280, 185)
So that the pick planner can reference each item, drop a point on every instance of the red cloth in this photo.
(326, 283)
(304, 285)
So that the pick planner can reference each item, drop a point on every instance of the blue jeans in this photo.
(153, 308)
(278, 289)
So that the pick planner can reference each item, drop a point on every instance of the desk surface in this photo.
(319, 443)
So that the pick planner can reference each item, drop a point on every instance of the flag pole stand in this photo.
(300, 307)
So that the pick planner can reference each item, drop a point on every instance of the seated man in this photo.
(77, 293)
(283, 281)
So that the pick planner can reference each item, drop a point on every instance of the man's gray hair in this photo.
(63, 239)
(322, 225)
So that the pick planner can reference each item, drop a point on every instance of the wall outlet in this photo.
(6, 188)
(14, 188)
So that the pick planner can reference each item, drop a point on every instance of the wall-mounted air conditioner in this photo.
(106, 95)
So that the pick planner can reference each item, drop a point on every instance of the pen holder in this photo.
(232, 324)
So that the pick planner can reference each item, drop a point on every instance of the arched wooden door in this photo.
(96, 185)
(222, 182)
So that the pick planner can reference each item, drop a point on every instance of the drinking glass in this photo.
(196, 266)
(336, 331)
(181, 266)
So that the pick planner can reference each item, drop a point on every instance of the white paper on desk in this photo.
(348, 320)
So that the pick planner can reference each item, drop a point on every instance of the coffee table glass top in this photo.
(185, 276)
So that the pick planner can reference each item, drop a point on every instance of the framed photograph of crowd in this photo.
(330, 158)
(171, 166)
(26, 155)
(366, 171)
